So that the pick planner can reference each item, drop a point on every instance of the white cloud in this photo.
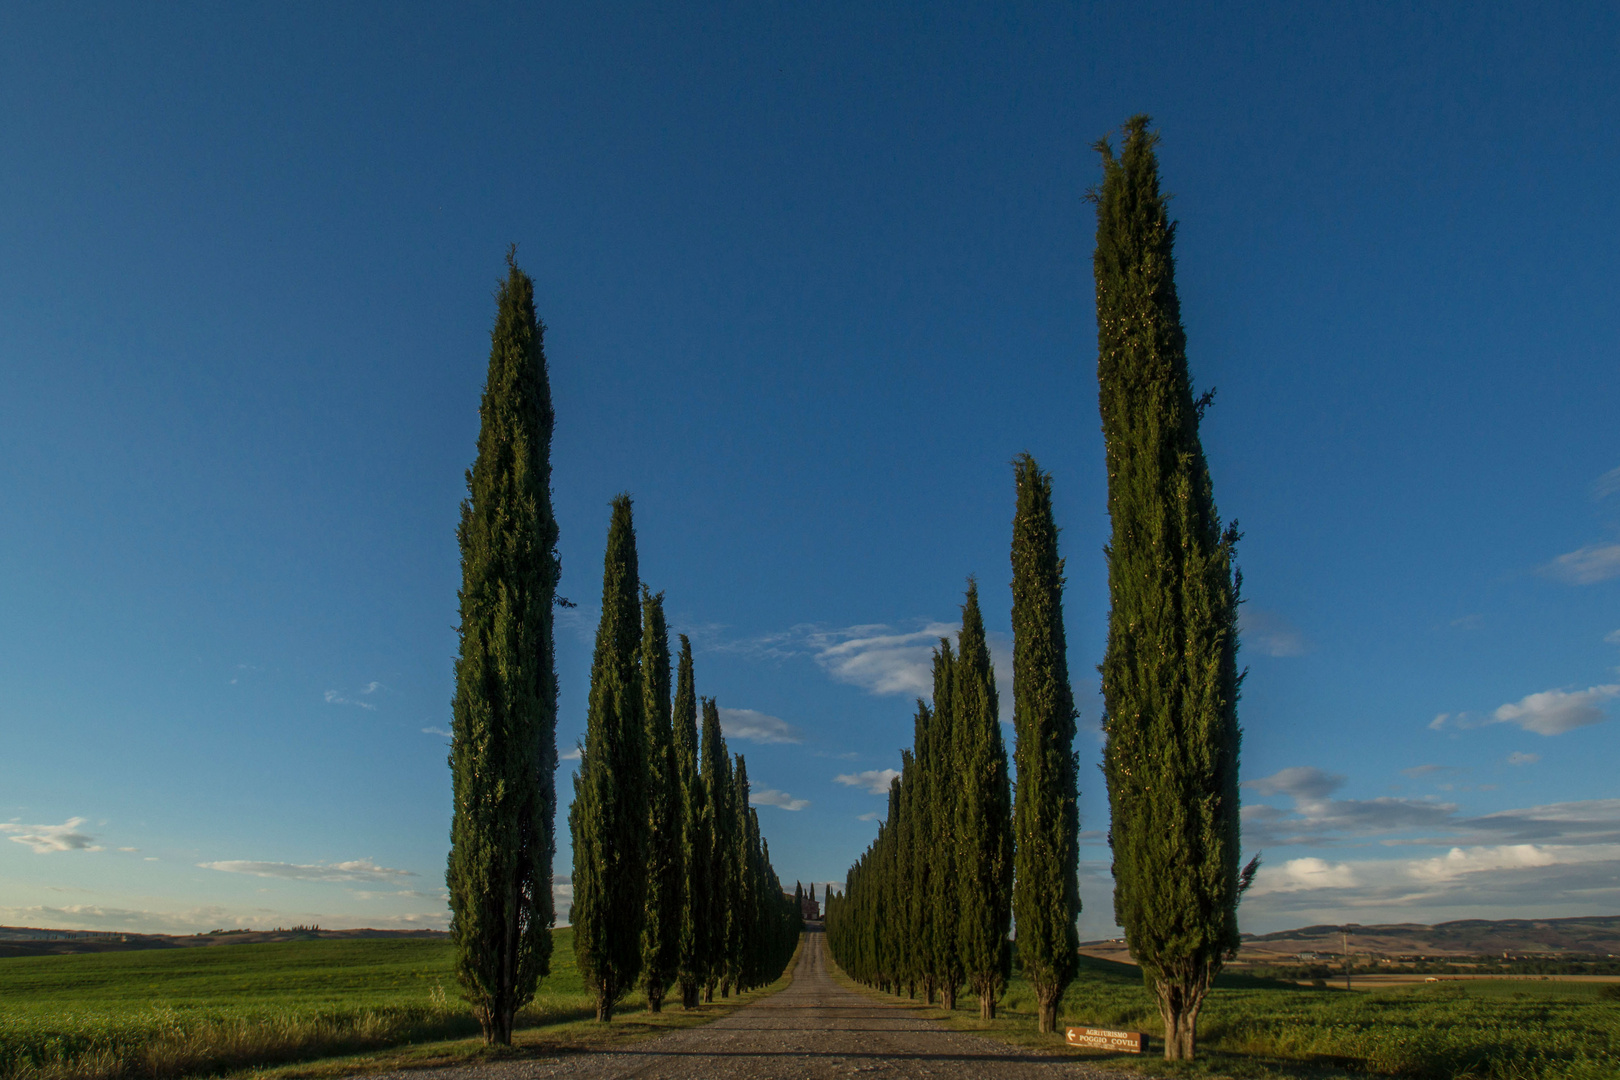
(873, 781)
(1520, 758)
(1310, 873)
(333, 697)
(870, 815)
(436, 731)
(1607, 484)
(1553, 712)
(45, 839)
(756, 726)
(772, 797)
(1586, 566)
(1612, 637)
(1270, 633)
(353, 870)
(573, 755)
(879, 661)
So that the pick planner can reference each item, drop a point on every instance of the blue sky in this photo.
(811, 282)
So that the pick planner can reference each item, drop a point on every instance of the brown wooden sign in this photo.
(1121, 1042)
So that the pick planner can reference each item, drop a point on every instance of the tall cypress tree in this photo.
(695, 858)
(944, 895)
(740, 894)
(1046, 822)
(609, 816)
(921, 866)
(1169, 677)
(503, 750)
(716, 777)
(661, 912)
(983, 816)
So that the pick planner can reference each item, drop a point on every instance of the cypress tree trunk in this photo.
(609, 816)
(716, 779)
(1170, 679)
(661, 926)
(984, 816)
(694, 835)
(503, 750)
(1046, 890)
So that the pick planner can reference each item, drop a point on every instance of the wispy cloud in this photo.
(1520, 758)
(1612, 637)
(1607, 484)
(45, 839)
(436, 731)
(755, 726)
(1550, 712)
(1553, 712)
(870, 815)
(1586, 566)
(1417, 772)
(335, 697)
(1269, 633)
(878, 660)
(1316, 817)
(873, 781)
(772, 797)
(573, 755)
(352, 870)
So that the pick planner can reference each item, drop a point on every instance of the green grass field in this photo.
(1258, 1028)
(166, 1013)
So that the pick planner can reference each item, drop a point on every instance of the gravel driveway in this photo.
(814, 1028)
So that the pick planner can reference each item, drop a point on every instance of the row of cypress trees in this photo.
(1170, 687)
(673, 884)
(930, 903)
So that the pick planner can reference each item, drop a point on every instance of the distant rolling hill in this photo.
(1584, 936)
(38, 941)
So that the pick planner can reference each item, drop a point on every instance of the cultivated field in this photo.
(1258, 1028)
(163, 1013)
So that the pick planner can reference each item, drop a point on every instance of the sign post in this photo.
(1121, 1042)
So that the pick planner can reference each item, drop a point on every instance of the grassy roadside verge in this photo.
(1254, 1028)
(290, 1009)
(582, 1035)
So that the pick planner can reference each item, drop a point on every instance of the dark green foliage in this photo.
(717, 797)
(662, 910)
(944, 952)
(984, 841)
(1169, 678)
(695, 842)
(1046, 822)
(503, 743)
(609, 816)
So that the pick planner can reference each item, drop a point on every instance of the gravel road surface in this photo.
(814, 1028)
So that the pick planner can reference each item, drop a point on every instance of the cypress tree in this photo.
(983, 815)
(1046, 889)
(944, 902)
(661, 911)
(695, 847)
(503, 749)
(716, 778)
(608, 819)
(740, 894)
(1169, 677)
(921, 867)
